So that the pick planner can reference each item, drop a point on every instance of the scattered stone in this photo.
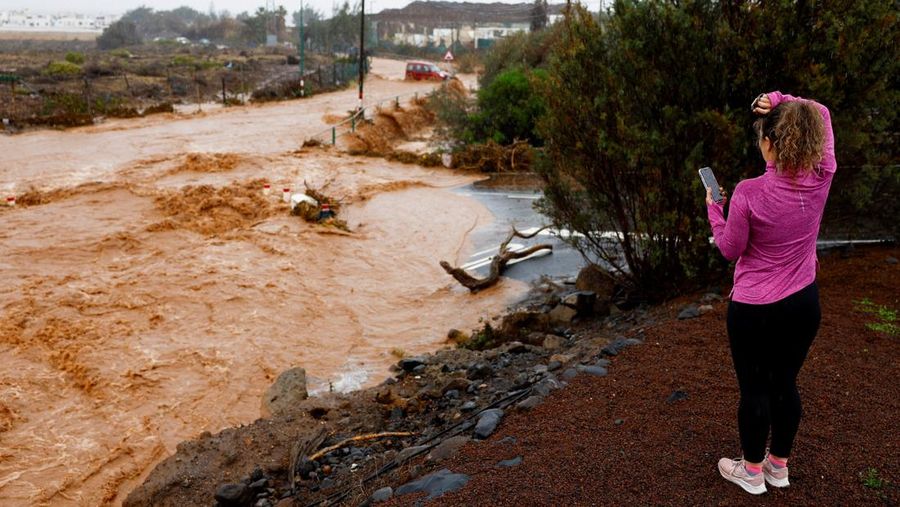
(597, 371)
(456, 384)
(689, 312)
(677, 396)
(570, 373)
(435, 484)
(487, 422)
(509, 439)
(710, 297)
(544, 387)
(562, 358)
(530, 402)
(479, 371)
(410, 363)
(382, 495)
(256, 474)
(452, 394)
(259, 485)
(518, 348)
(510, 462)
(552, 342)
(562, 314)
(447, 448)
(535, 338)
(705, 309)
(468, 406)
(603, 363)
(419, 369)
(891, 260)
(618, 422)
(288, 390)
(594, 279)
(232, 494)
(554, 365)
(539, 369)
(410, 451)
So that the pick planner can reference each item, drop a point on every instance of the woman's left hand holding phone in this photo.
(709, 199)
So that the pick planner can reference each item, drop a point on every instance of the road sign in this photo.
(448, 57)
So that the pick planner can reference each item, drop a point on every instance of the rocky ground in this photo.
(633, 406)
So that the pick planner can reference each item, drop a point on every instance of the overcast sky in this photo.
(233, 6)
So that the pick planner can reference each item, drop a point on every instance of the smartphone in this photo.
(709, 181)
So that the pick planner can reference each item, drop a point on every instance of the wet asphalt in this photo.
(517, 208)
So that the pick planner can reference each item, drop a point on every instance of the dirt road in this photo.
(152, 292)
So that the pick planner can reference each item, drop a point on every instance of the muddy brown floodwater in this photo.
(151, 291)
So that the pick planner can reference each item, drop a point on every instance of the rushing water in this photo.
(163, 299)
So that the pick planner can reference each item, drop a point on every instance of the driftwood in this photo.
(498, 263)
(358, 438)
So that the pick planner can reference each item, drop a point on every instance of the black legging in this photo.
(768, 345)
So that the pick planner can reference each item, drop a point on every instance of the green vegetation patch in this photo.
(62, 68)
(886, 318)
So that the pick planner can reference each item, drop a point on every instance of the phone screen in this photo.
(709, 181)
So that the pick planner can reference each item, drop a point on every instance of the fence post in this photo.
(88, 98)
(333, 136)
(398, 102)
(224, 99)
(353, 124)
(334, 74)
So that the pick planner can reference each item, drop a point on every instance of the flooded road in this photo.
(152, 291)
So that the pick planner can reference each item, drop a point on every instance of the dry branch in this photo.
(358, 438)
(498, 263)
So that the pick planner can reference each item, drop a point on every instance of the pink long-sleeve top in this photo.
(773, 222)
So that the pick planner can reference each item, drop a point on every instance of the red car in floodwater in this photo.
(424, 70)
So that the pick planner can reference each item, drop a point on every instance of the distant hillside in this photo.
(422, 12)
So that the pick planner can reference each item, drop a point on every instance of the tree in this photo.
(119, 34)
(539, 18)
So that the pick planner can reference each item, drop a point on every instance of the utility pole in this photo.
(362, 48)
(302, 53)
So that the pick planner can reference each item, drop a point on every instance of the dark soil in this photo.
(665, 453)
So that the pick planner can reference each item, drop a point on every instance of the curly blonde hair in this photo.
(797, 133)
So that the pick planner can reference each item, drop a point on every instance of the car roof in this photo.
(419, 62)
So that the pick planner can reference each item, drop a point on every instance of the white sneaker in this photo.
(733, 470)
(777, 477)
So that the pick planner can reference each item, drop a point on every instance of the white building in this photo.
(64, 22)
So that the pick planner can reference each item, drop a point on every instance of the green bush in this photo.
(120, 53)
(62, 68)
(509, 107)
(74, 57)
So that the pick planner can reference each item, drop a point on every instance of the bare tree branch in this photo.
(498, 263)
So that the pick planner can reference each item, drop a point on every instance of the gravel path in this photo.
(625, 439)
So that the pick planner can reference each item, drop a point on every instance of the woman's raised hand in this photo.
(762, 105)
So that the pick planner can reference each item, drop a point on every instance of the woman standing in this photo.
(773, 222)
